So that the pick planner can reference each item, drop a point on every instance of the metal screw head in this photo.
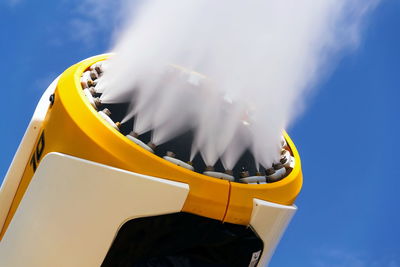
(93, 75)
(277, 166)
(97, 102)
(90, 83)
(229, 172)
(152, 145)
(107, 112)
(269, 171)
(98, 70)
(92, 90)
(244, 174)
(283, 160)
(134, 134)
(209, 169)
(171, 154)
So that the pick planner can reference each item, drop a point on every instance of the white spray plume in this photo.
(261, 58)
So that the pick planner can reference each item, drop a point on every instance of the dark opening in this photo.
(181, 145)
(183, 239)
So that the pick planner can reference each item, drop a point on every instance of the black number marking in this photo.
(33, 162)
(38, 153)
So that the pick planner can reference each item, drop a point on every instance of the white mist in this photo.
(262, 57)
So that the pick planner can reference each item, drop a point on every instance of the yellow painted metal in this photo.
(283, 192)
(72, 126)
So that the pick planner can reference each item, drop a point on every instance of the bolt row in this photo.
(276, 172)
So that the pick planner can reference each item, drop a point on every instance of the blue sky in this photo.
(348, 209)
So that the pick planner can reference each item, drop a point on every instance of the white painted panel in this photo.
(73, 209)
(21, 157)
(269, 221)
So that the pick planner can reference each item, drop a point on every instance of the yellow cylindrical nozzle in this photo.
(73, 126)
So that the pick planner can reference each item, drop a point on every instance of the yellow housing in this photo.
(73, 127)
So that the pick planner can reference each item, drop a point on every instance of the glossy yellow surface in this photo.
(73, 127)
(283, 192)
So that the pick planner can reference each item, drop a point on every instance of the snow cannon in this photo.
(84, 189)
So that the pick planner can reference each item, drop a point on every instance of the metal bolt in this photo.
(97, 102)
(152, 145)
(283, 160)
(92, 90)
(277, 166)
(98, 70)
(90, 83)
(134, 134)
(244, 174)
(229, 172)
(93, 75)
(269, 171)
(209, 169)
(171, 154)
(107, 112)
